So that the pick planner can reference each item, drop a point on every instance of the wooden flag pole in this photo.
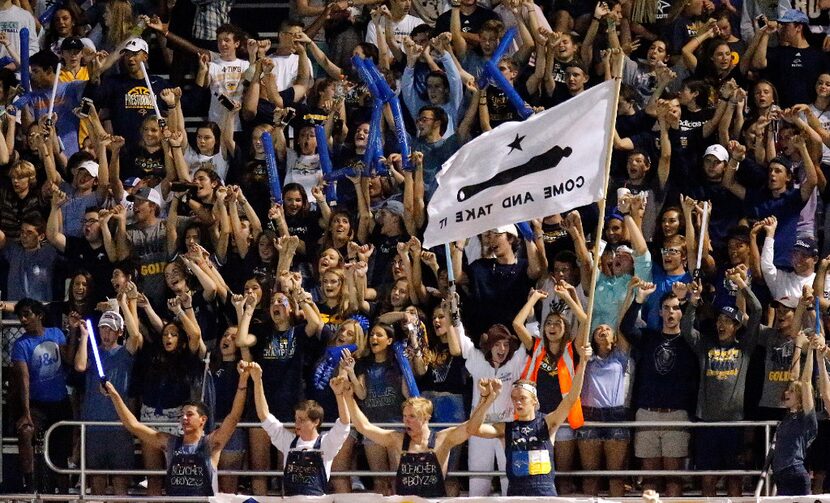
(612, 124)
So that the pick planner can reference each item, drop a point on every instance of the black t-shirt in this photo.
(281, 356)
(469, 24)
(129, 103)
(686, 152)
(794, 73)
(254, 183)
(81, 255)
(500, 108)
(386, 248)
(305, 226)
(561, 94)
(138, 161)
(445, 373)
(496, 293)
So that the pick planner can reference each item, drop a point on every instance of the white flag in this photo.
(550, 163)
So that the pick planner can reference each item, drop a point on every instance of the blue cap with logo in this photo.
(731, 313)
(793, 16)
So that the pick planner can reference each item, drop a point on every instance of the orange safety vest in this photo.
(564, 373)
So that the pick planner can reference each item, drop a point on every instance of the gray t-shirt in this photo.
(723, 367)
(777, 365)
(149, 248)
(30, 272)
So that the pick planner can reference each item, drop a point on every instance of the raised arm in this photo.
(489, 390)
(459, 43)
(806, 379)
(55, 221)
(822, 353)
(144, 433)
(524, 313)
(129, 310)
(737, 153)
(221, 435)
(759, 59)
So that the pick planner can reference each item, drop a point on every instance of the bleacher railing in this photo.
(82, 471)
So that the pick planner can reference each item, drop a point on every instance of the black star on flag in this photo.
(516, 144)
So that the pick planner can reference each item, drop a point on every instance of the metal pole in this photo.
(2, 338)
(82, 491)
(767, 480)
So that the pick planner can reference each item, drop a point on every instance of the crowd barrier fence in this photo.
(377, 498)
(83, 472)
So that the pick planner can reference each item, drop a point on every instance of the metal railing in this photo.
(83, 472)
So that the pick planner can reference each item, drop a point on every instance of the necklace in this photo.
(667, 342)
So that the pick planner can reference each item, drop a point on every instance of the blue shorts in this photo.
(565, 433)
(718, 448)
(109, 448)
(604, 415)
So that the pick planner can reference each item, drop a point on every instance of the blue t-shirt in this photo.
(118, 365)
(74, 209)
(663, 281)
(787, 208)
(47, 376)
(605, 381)
(67, 98)
(795, 434)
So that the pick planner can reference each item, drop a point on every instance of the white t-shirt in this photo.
(479, 368)
(12, 20)
(225, 78)
(285, 70)
(330, 445)
(303, 169)
(215, 162)
(400, 29)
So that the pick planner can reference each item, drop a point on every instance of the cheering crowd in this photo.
(221, 290)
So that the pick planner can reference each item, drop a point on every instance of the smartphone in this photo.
(86, 105)
(225, 101)
(762, 21)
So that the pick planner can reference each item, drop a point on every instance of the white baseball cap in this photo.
(135, 44)
(113, 320)
(147, 194)
(90, 166)
(508, 229)
(719, 151)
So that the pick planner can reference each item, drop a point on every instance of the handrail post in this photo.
(82, 491)
(766, 453)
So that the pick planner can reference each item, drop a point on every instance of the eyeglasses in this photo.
(670, 251)
(91, 221)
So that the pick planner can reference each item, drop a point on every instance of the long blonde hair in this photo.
(118, 15)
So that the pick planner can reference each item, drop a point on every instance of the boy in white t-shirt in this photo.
(223, 73)
(308, 453)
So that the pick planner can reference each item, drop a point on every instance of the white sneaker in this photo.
(357, 485)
